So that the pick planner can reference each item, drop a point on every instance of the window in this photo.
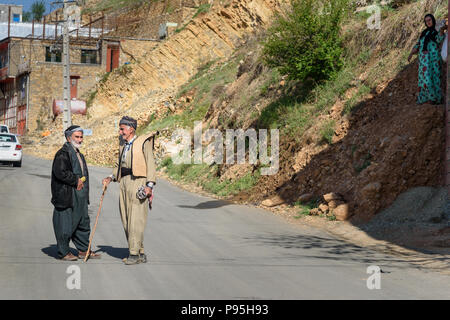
(3, 59)
(16, 17)
(52, 55)
(89, 56)
(7, 138)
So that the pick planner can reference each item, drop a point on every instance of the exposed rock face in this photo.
(213, 35)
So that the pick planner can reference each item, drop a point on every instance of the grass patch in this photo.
(201, 9)
(327, 131)
(305, 208)
(351, 103)
(331, 217)
(286, 114)
(90, 99)
(110, 5)
(295, 113)
(273, 79)
(206, 176)
(203, 82)
(124, 70)
(104, 78)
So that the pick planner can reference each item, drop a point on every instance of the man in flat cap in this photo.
(136, 171)
(70, 197)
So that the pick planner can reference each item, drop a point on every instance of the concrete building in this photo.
(13, 11)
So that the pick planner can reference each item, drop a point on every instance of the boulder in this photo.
(323, 207)
(272, 202)
(334, 203)
(342, 212)
(306, 197)
(331, 196)
(371, 189)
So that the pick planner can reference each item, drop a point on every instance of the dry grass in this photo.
(400, 29)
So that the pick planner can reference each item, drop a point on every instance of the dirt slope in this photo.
(387, 146)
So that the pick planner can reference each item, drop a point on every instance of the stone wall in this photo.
(46, 78)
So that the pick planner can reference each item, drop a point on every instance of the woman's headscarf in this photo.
(429, 33)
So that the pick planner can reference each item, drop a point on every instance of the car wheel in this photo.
(17, 164)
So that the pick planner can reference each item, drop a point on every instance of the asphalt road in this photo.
(199, 248)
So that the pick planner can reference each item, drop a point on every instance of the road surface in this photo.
(198, 248)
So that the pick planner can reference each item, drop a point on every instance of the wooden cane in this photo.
(95, 225)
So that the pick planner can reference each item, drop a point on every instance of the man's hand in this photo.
(80, 184)
(106, 181)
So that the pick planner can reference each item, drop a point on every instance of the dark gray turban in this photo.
(128, 121)
(70, 130)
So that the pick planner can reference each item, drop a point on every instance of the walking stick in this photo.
(88, 252)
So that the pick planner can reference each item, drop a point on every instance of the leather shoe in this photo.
(92, 255)
(132, 259)
(142, 258)
(69, 257)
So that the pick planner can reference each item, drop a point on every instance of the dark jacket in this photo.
(64, 180)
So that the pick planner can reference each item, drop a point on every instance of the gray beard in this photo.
(75, 145)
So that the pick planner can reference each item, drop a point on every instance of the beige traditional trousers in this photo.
(133, 211)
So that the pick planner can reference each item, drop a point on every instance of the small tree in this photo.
(305, 42)
(26, 16)
(38, 9)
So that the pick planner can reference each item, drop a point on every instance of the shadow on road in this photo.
(118, 253)
(335, 250)
(213, 204)
(52, 251)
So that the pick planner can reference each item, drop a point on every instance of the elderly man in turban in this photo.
(136, 172)
(70, 197)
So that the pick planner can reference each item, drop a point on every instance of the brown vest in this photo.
(138, 164)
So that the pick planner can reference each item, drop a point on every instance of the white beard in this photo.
(75, 145)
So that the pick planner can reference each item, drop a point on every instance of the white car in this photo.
(10, 149)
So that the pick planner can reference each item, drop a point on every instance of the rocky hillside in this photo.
(361, 139)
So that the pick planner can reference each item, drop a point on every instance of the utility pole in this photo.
(447, 128)
(67, 114)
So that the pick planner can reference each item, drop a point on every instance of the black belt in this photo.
(125, 172)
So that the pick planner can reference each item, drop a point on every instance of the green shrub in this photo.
(91, 98)
(305, 44)
(305, 208)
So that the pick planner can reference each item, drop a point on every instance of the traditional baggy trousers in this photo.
(74, 223)
(133, 213)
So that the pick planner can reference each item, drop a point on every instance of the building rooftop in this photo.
(25, 30)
